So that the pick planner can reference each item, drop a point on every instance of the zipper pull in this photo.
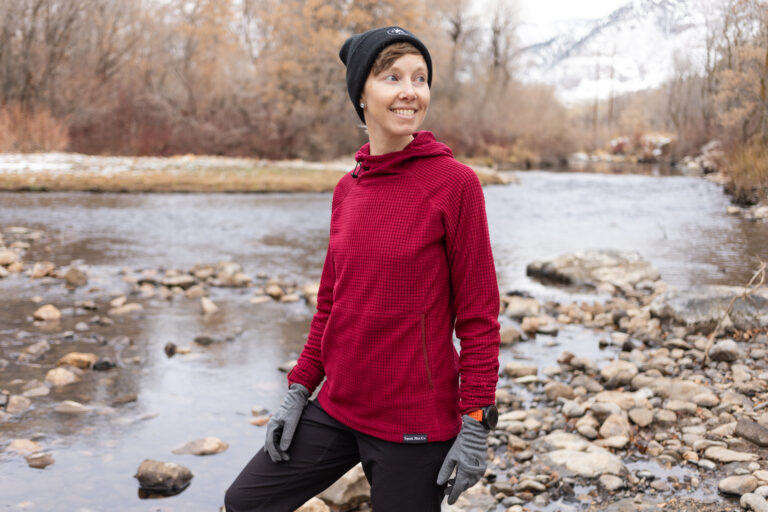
(355, 174)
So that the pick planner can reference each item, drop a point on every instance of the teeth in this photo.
(404, 112)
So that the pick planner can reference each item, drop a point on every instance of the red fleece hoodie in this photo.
(409, 256)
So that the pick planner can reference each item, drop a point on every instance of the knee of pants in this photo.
(233, 501)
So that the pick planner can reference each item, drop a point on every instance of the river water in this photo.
(678, 223)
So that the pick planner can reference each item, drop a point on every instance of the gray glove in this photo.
(282, 424)
(469, 455)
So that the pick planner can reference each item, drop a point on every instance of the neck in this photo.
(383, 145)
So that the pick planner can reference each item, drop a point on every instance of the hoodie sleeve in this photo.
(309, 370)
(475, 295)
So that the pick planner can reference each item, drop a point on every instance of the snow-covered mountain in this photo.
(632, 48)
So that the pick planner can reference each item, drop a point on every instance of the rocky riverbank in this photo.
(669, 418)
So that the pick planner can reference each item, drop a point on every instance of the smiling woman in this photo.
(409, 261)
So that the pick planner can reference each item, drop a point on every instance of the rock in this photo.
(623, 400)
(700, 308)
(39, 460)
(182, 281)
(555, 390)
(208, 306)
(260, 299)
(531, 485)
(34, 351)
(290, 297)
(170, 349)
(572, 409)
(752, 431)
(202, 340)
(725, 350)
(706, 399)
(42, 269)
(60, 377)
(681, 407)
(620, 372)
(126, 309)
(753, 502)
(616, 442)
(579, 456)
(287, 366)
(274, 291)
(615, 425)
(72, 407)
(205, 446)
(195, 292)
(720, 454)
(36, 391)
(611, 483)
(515, 370)
(78, 359)
(259, 421)
(665, 417)
(47, 313)
(641, 416)
(595, 267)
(349, 490)
(81, 326)
(530, 325)
(739, 484)
(8, 257)
(17, 404)
(75, 277)
(125, 399)
(23, 446)
(314, 505)
(163, 476)
(104, 364)
(678, 389)
(510, 336)
(520, 307)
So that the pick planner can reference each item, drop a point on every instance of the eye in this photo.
(421, 79)
(391, 78)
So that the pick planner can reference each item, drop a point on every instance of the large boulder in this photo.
(349, 491)
(165, 477)
(579, 456)
(593, 268)
(700, 308)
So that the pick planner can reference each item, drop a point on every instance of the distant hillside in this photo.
(632, 48)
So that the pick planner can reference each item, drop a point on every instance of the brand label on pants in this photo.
(414, 438)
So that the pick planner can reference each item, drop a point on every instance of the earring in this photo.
(362, 105)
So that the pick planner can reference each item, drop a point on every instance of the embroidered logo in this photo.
(414, 438)
(396, 32)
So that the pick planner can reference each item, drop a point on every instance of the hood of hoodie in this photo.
(423, 145)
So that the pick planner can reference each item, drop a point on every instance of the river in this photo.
(677, 223)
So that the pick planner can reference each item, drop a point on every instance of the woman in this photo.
(408, 258)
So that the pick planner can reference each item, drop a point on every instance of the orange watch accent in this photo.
(477, 414)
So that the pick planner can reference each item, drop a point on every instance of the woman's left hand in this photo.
(468, 455)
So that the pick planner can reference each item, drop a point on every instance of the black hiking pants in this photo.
(402, 476)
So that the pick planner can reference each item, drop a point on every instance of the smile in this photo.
(404, 111)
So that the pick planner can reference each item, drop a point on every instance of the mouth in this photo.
(408, 112)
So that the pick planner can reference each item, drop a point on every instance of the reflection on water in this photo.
(677, 223)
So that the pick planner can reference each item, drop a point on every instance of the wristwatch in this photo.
(488, 416)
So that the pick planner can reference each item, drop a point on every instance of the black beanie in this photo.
(360, 51)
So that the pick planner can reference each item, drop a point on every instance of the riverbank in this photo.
(43, 172)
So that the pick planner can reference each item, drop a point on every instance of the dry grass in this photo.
(748, 173)
(263, 179)
(25, 132)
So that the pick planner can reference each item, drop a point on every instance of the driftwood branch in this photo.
(754, 284)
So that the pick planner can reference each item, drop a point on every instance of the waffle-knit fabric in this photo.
(409, 258)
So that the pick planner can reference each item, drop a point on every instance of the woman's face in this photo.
(396, 100)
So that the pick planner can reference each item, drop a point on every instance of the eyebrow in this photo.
(393, 67)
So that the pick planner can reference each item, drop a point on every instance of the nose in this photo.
(407, 91)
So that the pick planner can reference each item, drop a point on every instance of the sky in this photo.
(542, 11)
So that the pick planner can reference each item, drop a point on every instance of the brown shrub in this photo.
(748, 172)
(28, 132)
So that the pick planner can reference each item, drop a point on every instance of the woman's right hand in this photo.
(282, 425)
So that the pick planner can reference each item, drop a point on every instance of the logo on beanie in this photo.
(396, 32)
